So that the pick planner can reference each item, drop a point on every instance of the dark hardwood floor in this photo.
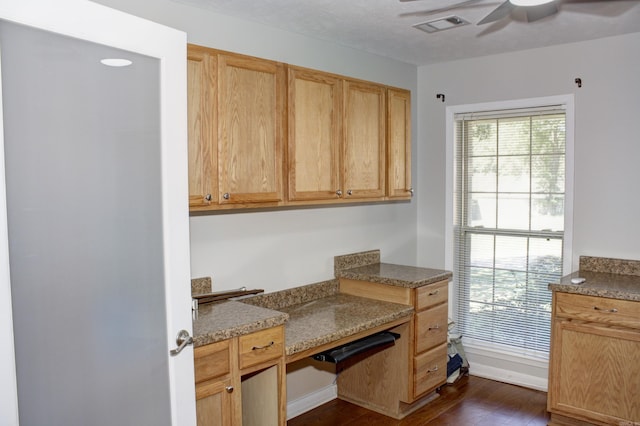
(472, 401)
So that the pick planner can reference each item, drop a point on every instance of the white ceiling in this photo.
(385, 27)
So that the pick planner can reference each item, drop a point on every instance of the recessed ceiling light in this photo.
(529, 2)
(441, 24)
(116, 62)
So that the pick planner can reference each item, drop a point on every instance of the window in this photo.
(509, 223)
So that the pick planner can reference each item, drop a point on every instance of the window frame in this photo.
(567, 101)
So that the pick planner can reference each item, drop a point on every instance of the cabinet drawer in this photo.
(430, 369)
(261, 346)
(211, 361)
(624, 313)
(431, 295)
(431, 327)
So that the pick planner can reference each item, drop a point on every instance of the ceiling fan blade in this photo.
(535, 13)
(498, 13)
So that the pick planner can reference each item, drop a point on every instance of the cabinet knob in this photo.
(207, 197)
(229, 389)
(226, 195)
(339, 192)
(349, 192)
(411, 191)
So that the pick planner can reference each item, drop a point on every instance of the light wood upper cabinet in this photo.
(314, 119)
(202, 127)
(250, 129)
(399, 144)
(363, 150)
(265, 134)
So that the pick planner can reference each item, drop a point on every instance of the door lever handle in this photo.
(182, 339)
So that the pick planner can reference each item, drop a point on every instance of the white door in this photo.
(94, 240)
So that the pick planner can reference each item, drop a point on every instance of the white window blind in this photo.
(508, 224)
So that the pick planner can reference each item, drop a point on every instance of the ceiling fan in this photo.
(533, 9)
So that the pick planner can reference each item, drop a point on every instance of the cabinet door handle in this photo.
(257, 348)
(226, 195)
(229, 389)
(435, 327)
(207, 197)
(614, 310)
(433, 370)
(339, 192)
(349, 192)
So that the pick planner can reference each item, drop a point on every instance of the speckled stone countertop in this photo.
(331, 318)
(224, 320)
(319, 314)
(366, 266)
(398, 275)
(604, 277)
(314, 314)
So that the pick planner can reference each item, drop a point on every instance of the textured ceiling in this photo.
(385, 27)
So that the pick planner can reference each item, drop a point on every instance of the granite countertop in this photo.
(604, 277)
(602, 284)
(397, 275)
(334, 317)
(314, 314)
(224, 320)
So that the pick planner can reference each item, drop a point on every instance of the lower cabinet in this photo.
(241, 381)
(214, 403)
(594, 374)
(403, 378)
(430, 347)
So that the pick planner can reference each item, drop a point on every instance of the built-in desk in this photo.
(365, 298)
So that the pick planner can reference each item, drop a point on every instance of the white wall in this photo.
(606, 152)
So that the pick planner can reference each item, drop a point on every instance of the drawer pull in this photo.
(257, 348)
(614, 310)
(433, 370)
(433, 293)
(435, 327)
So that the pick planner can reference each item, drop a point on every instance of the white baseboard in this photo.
(511, 377)
(311, 401)
(520, 371)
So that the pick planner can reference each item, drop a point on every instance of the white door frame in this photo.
(89, 21)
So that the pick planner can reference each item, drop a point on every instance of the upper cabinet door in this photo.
(202, 127)
(250, 129)
(399, 144)
(315, 105)
(364, 140)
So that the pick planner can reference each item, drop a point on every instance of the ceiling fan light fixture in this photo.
(529, 2)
